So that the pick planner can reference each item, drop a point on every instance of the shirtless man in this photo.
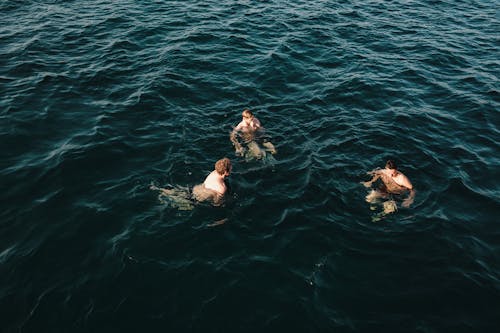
(394, 182)
(214, 188)
(248, 127)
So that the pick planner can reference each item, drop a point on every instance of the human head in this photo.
(247, 114)
(223, 166)
(391, 166)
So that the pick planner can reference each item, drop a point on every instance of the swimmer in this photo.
(248, 128)
(214, 188)
(394, 182)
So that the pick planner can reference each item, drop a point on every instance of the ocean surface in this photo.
(102, 100)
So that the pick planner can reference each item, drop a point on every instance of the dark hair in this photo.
(391, 165)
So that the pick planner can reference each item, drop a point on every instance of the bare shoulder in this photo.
(239, 126)
(405, 181)
(213, 182)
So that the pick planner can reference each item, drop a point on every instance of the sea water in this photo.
(101, 99)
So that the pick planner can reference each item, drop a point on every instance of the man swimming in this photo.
(248, 128)
(212, 189)
(393, 182)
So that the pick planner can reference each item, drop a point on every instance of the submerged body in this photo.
(212, 189)
(250, 130)
(394, 183)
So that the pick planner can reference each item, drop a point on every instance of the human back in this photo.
(395, 184)
(395, 181)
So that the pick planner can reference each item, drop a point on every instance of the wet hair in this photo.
(223, 165)
(247, 113)
(391, 165)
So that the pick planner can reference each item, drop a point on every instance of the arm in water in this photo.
(376, 175)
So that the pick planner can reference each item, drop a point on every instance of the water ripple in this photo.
(102, 99)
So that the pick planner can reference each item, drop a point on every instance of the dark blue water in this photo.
(99, 100)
